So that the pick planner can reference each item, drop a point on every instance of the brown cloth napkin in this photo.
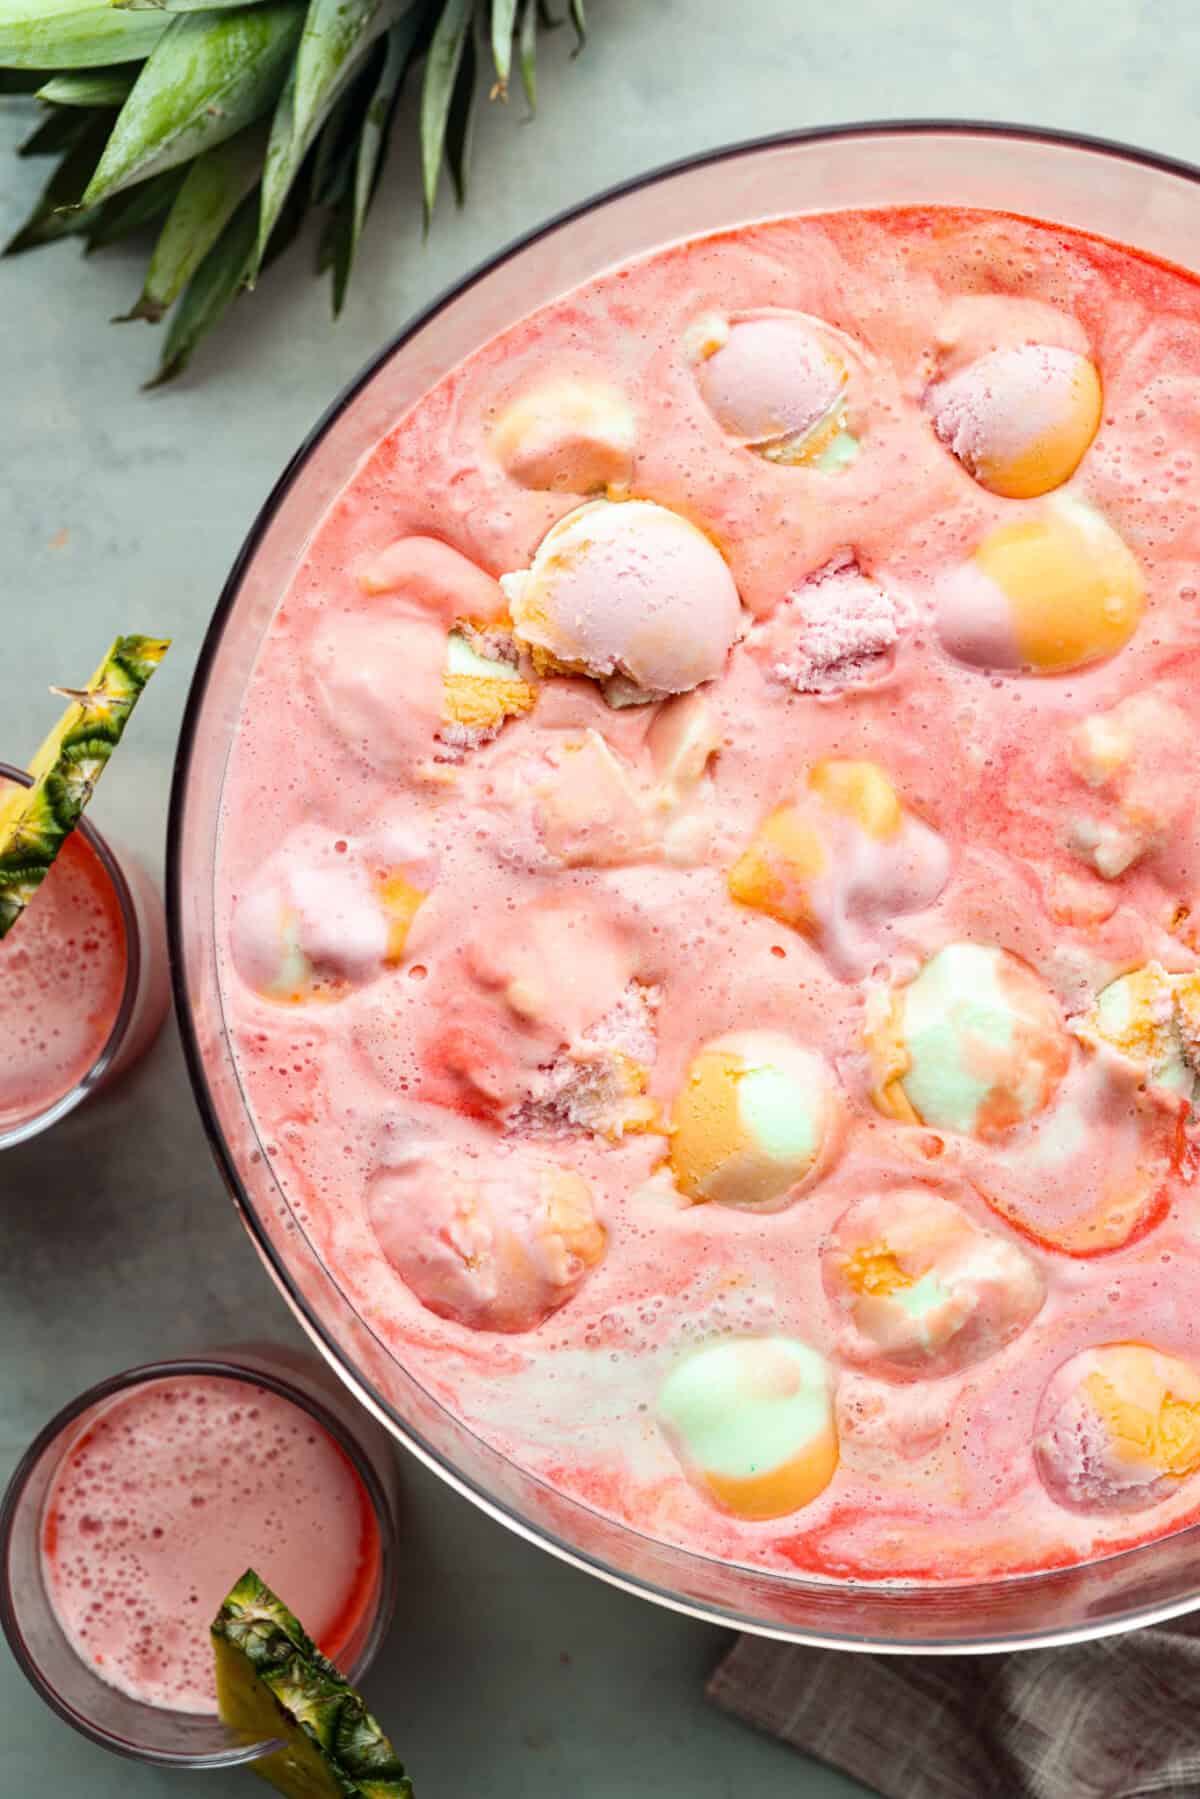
(1117, 1719)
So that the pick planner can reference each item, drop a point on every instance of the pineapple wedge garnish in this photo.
(273, 1682)
(35, 821)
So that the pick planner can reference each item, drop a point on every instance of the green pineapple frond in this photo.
(224, 123)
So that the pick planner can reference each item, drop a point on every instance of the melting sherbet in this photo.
(837, 630)
(567, 436)
(756, 1117)
(974, 1044)
(778, 383)
(1019, 419)
(1153, 1017)
(322, 915)
(752, 1421)
(841, 861)
(497, 1243)
(629, 590)
(1053, 590)
(1119, 1427)
(921, 1288)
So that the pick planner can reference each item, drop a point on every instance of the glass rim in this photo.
(66, 1102)
(364, 1390)
(60, 1425)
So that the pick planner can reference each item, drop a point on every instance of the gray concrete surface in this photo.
(506, 1674)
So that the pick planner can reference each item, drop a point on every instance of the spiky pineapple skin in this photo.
(35, 821)
(273, 1681)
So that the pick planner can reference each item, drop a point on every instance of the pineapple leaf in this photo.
(279, 150)
(372, 144)
(504, 20)
(89, 87)
(441, 72)
(211, 290)
(335, 32)
(48, 221)
(297, 98)
(333, 187)
(528, 53)
(333, 153)
(132, 210)
(342, 230)
(287, 226)
(73, 34)
(458, 125)
(337, 35)
(213, 188)
(336, 248)
(210, 75)
(181, 5)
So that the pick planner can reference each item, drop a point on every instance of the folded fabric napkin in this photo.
(1117, 1719)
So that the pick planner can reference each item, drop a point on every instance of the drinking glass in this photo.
(146, 993)
(147, 1733)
